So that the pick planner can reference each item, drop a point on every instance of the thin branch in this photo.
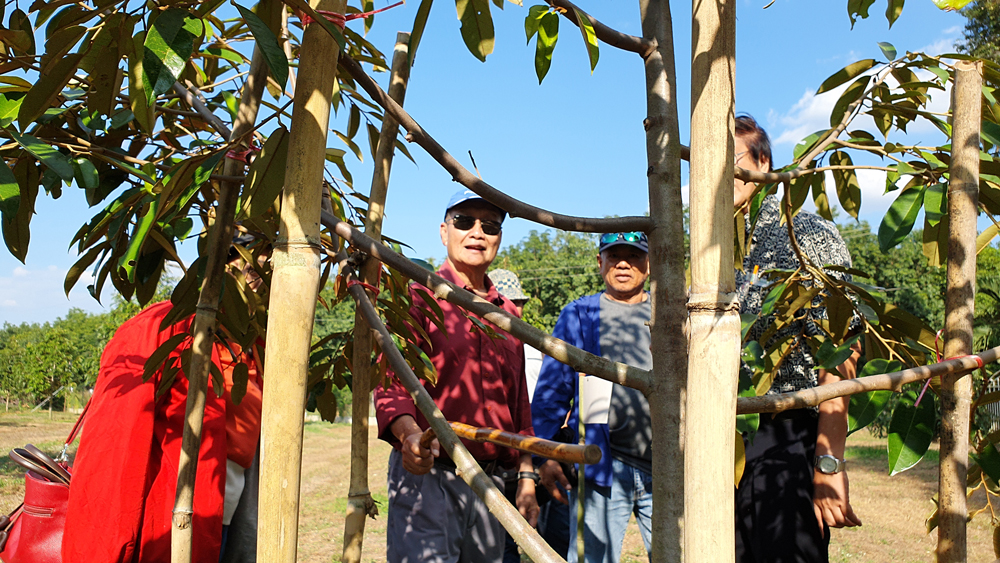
(606, 34)
(514, 207)
(572, 356)
(212, 119)
(885, 382)
(467, 467)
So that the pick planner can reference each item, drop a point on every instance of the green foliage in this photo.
(555, 267)
(982, 30)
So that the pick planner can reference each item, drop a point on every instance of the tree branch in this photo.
(606, 34)
(467, 467)
(514, 207)
(203, 110)
(572, 356)
(885, 382)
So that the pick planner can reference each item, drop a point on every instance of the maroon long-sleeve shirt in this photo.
(480, 379)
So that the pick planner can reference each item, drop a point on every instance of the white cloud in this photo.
(20, 271)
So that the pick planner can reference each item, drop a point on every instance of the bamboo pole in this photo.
(956, 390)
(219, 237)
(666, 258)
(714, 351)
(466, 466)
(296, 273)
(359, 500)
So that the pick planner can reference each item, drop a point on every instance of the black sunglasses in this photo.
(609, 238)
(465, 223)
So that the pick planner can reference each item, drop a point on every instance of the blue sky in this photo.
(574, 144)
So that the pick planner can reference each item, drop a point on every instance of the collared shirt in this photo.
(771, 248)
(480, 379)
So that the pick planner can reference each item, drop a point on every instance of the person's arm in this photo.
(831, 495)
(527, 503)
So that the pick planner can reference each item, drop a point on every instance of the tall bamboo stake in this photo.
(666, 258)
(295, 278)
(956, 390)
(220, 233)
(714, 314)
(359, 499)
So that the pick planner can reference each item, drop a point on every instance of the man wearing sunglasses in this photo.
(433, 514)
(611, 324)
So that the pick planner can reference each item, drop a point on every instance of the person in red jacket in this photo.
(125, 471)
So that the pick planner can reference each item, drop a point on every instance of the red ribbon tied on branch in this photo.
(244, 155)
(354, 281)
(340, 20)
(937, 357)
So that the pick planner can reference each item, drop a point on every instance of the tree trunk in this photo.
(295, 278)
(666, 257)
(219, 237)
(359, 499)
(956, 390)
(713, 364)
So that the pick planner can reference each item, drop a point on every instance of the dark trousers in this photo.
(775, 521)
(553, 522)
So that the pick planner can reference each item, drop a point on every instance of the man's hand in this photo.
(831, 501)
(551, 473)
(527, 503)
(416, 458)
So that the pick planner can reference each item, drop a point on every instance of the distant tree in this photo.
(982, 30)
(555, 267)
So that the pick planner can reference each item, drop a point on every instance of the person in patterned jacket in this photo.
(794, 487)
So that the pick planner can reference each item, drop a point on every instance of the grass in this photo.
(893, 509)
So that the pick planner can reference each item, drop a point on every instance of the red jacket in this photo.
(125, 472)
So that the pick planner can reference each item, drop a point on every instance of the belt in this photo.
(489, 466)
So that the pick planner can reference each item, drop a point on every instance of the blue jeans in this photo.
(607, 511)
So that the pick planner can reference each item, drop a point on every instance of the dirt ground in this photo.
(893, 509)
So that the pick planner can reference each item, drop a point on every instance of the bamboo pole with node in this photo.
(219, 237)
(714, 320)
(359, 499)
(296, 272)
(956, 389)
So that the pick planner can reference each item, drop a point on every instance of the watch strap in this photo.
(533, 475)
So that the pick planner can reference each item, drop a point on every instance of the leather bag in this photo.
(33, 532)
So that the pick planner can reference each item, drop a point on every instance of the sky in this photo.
(573, 145)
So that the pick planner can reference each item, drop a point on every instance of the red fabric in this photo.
(242, 420)
(125, 472)
(480, 380)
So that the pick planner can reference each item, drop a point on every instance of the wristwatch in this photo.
(829, 464)
(533, 475)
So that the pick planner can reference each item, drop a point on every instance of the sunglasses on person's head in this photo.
(465, 223)
(609, 238)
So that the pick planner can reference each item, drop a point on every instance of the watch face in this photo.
(827, 464)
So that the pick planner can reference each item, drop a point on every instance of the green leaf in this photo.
(548, 34)
(16, 231)
(86, 174)
(589, 38)
(848, 188)
(45, 91)
(865, 407)
(850, 95)
(858, 9)
(419, 23)
(845, 74)
(899, 219)
(887, 48)
(156, 359)
(227, 54)
(819, 197)
(831, 357)
(772, 299)
(892, 12)
(10, 192)
(951, 5)
(241, 375)
(266, 176)
(168, 46)
(268, 44)
(50, 157)
(477, 26)
(130, 259)
(532, 20)
(10, 104)
(353, 122)
(910, 431)
(989, 461)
